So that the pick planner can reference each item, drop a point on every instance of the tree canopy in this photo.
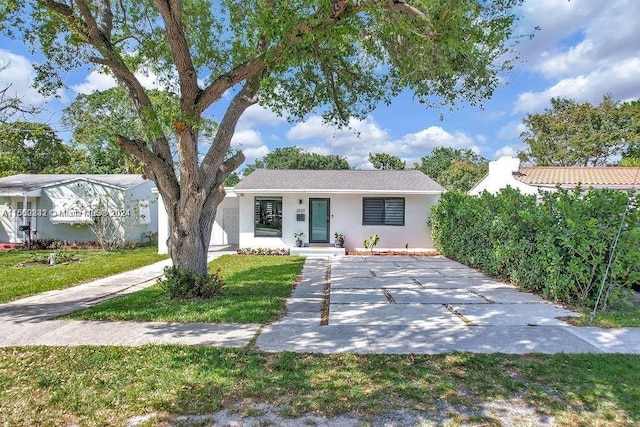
(573, 134)
(27, 147)
(297, 158)
(454, 168)
(339, 57)
(387, 161)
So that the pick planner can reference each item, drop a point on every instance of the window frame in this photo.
(384, 220)
(259, 233)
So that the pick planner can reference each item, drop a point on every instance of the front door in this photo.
(22, 217)
(230, 225)
(319, 221)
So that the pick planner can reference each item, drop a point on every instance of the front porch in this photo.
(323, 251)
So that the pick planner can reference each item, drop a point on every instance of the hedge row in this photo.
(557, 244)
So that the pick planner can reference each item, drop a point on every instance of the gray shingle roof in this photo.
(31, 182)
(348, 181)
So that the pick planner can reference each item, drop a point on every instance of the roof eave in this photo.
(332, 191)
(23, 193)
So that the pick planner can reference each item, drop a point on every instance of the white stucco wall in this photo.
(346, 218)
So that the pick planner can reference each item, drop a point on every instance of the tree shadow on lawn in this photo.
(575, 387)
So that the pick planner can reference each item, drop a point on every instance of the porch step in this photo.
(317, 251)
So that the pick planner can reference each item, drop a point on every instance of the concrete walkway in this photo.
(343, 304)
(28, 321)
(425, 305)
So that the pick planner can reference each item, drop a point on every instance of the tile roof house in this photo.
(507, 171)
(268, 207)
(59, 206)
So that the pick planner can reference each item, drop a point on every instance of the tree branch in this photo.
(171, 12)
(220, 146)
(163, 174)
(226, 81)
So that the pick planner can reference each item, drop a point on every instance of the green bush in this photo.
(180, 283)
(557, 244)
(263, 251)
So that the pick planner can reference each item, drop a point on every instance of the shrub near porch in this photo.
(255, 291)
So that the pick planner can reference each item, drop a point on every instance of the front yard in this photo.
(108, 385)
(27, 273)
(255, 291)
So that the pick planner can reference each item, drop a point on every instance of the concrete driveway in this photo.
(411, 304)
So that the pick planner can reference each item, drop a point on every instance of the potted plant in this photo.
(339, 240)
(298, 239)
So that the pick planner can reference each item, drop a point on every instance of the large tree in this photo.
(297, 158)
(342, 56)
(456, 169)
(573, 134)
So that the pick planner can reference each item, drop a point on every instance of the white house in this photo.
(59, 206)
(508, 171)
(269, 206)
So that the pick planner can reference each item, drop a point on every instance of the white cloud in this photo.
(555, 20)
(366, 136)
(357, 132)
(247, 138)
(253, 153)
(19, 76)
(257, 115)
(621, 80)
(95, 81)
(98, 80)
(435, 136)
(507, 150)
(584, 49)
(610, 34)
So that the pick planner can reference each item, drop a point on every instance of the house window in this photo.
(268, 217)
(383, 211)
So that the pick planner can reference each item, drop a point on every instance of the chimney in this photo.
(504, 168)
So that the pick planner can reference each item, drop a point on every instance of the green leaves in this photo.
(296, 158)
(386, 161)
(27, 147)
(572, 134)
(558, 246)
(455, 169)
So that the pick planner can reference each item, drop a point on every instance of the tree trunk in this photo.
(190, 224)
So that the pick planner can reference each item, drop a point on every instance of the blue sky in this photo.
(583, 50)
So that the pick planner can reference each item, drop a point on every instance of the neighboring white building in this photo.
(267, 207)
(59, 206)
(507, 171)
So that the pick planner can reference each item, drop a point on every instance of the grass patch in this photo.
(622, 314)
(32, 278)
(255, 292)
(107, 385)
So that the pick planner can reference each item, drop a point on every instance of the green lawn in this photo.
(21, 278)
(255, 292)
(107, 385)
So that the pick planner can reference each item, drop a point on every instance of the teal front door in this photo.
(319, 221)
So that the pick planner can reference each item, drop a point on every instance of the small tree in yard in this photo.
(342, 56)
